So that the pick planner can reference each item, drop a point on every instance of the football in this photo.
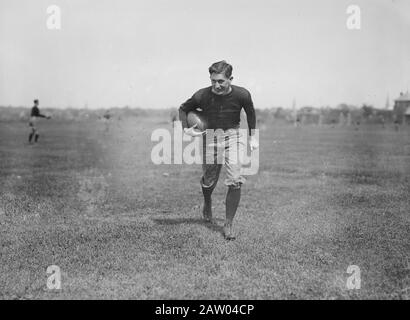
(196, 118)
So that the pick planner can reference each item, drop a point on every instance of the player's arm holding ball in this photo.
(190, 105)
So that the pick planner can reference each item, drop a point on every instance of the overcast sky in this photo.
(155, 53)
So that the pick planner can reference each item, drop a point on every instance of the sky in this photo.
(156, 53)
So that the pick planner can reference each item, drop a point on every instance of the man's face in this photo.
(220, 84)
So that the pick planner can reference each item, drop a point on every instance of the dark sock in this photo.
(207, 192)
(36, 138)
(30, 137)
(232, 201)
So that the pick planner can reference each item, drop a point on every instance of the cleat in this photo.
(209, 219)
(207, 214)
(228, 233)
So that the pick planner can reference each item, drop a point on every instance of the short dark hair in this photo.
(221, 67)
(36, 101)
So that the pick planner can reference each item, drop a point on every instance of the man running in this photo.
(35, 113)
(221, 105)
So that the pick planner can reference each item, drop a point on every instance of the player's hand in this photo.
(253, 143)
(192, 132)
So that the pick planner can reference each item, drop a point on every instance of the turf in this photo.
(119, 227)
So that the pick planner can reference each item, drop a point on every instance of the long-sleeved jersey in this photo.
(223, 112)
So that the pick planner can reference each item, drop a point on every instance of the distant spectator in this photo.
(383, 122)
(35, 114)
(107, 119)
(396, 124)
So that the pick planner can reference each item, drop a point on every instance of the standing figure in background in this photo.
(107, 120)
(383, 122)
(35, 114)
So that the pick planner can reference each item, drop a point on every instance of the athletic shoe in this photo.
(228, 233)
(207, 214)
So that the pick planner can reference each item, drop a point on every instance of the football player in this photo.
(221, 105)
(35, 114)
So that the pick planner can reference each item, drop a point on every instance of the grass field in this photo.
(120, 227)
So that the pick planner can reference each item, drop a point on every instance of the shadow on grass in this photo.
(174, 221)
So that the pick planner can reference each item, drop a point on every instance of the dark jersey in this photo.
(35, 112)
(223, 112)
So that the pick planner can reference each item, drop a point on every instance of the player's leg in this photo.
(30, 137)
(234, 180)
(233, 197)
(32, 130)
(209, 180)
(211, 169)
(34, 133)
